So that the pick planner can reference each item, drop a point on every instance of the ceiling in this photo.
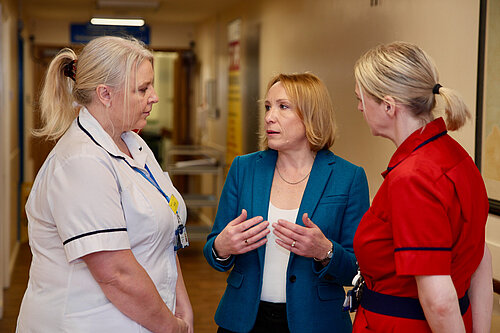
(167, 11)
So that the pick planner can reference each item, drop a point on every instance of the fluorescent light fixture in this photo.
(114, 21)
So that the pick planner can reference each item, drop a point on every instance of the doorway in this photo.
(158, 133)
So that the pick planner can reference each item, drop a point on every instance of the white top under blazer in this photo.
(276, 258)
(86, 199)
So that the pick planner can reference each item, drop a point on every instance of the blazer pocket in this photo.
(235, 279)
(337, 199)
(328, 292)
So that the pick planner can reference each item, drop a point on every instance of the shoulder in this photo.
(263, 156)
(338, 163)
(76, 154)
(255, 156)
(75, 143)
(431, 162)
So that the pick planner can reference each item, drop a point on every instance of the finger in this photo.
(241, 218)
(256, 236)
(248, 224)
(286, 238)
(253, 246)
(288, 246)
(290, 229)
(283, 224)
(307, 221)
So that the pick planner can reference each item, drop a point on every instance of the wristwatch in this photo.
(329, 255)
(216, 256)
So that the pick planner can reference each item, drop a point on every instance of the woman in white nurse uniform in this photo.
(103, 218)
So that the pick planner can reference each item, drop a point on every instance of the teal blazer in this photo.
(336, 197)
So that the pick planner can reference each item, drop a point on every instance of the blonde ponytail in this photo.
(56, 100)
(408, 74)
(456, 111)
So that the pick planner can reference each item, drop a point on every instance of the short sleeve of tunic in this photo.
(84, 198)
(421, 228)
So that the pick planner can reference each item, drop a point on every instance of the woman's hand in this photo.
(308, 241)
(183, 308)
(183, 327)
(241, 235)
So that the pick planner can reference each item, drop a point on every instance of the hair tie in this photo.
(435, 90)
(70, 70)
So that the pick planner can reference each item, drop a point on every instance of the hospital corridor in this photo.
(204, 80)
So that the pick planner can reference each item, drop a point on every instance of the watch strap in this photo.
(216, 256)
(329, 255)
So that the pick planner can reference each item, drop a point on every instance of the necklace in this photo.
(293, 183)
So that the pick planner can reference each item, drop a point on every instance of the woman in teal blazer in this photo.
(290, 279)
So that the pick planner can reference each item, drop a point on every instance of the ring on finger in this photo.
(293, 244)
(246, 241)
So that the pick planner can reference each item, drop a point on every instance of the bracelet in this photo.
(214, 253)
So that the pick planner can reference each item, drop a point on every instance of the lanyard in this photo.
(151, 179)
(389, 169)
(180, 232)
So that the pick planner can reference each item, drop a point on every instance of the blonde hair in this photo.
(104, 60)
(406, 73)
(314, 107)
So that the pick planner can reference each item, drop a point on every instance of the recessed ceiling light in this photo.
(115, 21)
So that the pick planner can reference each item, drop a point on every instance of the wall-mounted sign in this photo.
(234, 143)
(83, 33)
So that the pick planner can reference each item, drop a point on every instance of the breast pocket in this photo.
(329, 214)
(340, 199)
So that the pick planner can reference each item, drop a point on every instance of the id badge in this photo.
(181, 235)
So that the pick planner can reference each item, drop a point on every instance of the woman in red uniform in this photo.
(421, 246)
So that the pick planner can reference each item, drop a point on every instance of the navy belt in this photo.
(402, 307)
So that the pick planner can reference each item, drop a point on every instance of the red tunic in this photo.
(428, 218)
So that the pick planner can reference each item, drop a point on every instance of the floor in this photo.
(204, 284)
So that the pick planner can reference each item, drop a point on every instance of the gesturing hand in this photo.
(241, 235)
(308, 241)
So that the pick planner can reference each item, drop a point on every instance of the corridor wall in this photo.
(326, 37)
(9, 145)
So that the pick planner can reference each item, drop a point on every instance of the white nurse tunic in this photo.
(85, 199)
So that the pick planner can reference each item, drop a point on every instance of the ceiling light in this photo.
(114, 21)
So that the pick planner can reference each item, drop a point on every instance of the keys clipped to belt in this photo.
(353, 297)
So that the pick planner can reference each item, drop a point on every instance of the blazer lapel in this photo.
(261, 191)
(320, 174)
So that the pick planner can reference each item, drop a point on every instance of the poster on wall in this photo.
(488, 99)
(234, 145)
